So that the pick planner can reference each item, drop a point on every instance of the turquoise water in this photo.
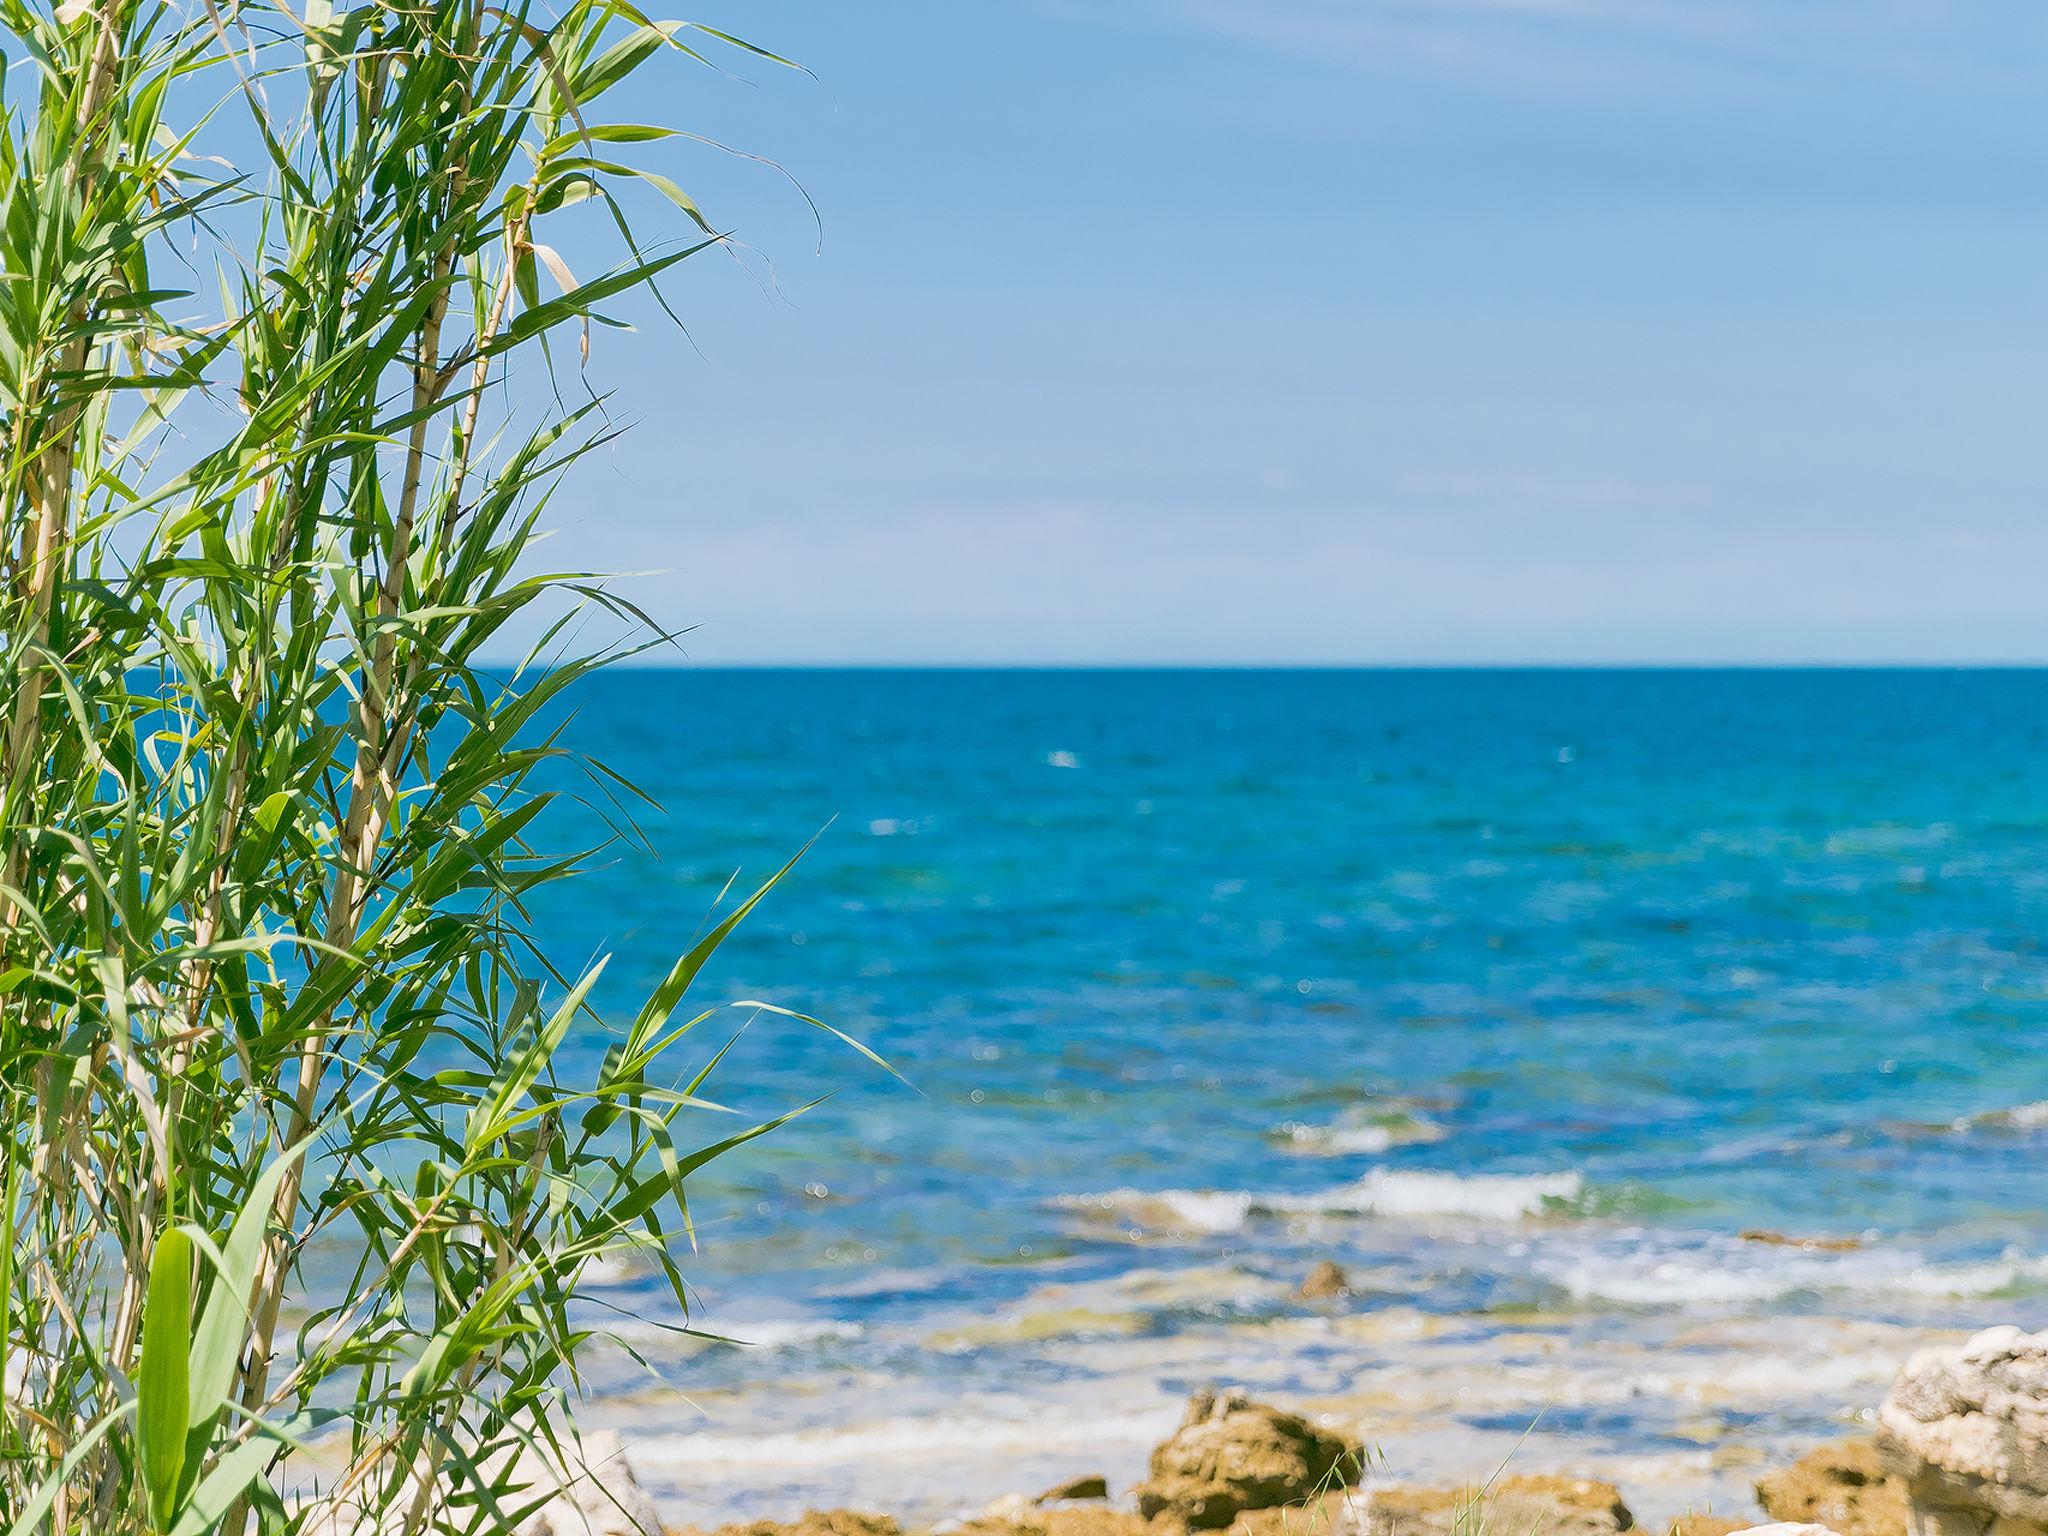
(1521, 994)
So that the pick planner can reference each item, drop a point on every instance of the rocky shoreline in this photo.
(1248, 1473)
(1960, 1449)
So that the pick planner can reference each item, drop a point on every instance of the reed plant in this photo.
(285, 341)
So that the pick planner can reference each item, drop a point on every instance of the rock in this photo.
(1081, 1519)
(1706, 1525)
(1231, 1454)
(1555, 1506)
(1965, 1429)
(1809, 1244)
(1843, 1486)
(1786, 1528)
(816, 1522)
(1327, 1278)
(1092, 1486)
(1332, 1514)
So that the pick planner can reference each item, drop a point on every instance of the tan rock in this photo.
(1080, 1520)
(1965, 1428)
(1231, 1454)
(1706, 1525)
(1332, 1514)
(815, 1522)
(1844, 1486)
(1092, 1486)
(1077, 1519)
(1535, 1505)
(1326, 1278)
(1808, 1244)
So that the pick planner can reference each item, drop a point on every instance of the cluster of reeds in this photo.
(267, 982)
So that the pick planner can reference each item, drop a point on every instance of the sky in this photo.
(1346, 331)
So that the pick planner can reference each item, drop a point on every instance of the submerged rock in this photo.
(1553, 1506)
(1844, 1486)
(1808, 1244)
(1231, 1454)
(1327, 1278)
(1965, 1428)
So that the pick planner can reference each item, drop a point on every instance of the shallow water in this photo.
(1522, 994)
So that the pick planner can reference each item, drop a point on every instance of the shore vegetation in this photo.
(291, 359)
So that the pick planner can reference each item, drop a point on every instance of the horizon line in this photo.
(1421, 665)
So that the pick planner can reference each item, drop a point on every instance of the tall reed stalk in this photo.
(267, 983)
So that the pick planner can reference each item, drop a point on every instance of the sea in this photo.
(1659, 1054)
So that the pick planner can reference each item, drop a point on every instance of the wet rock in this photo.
(1965, 1428)
(1844, 1486)
(1093, 1486)
(1555, 1506)
(1327, 1278)
(1231, 1454)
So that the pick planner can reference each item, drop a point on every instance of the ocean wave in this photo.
(1180, 1210)
(1358, 1131)
(753, 1334)
(1701, 1269)
(1414, 1193)
(792, 1333)
(2020, 1117)
(1395, 1193)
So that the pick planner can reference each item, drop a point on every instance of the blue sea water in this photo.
(1522, 994)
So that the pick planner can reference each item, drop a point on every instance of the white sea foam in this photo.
(791, 1333)
(1357, 1133)
(1210, 1210)
(610, 1269)
(900, 1439)
(1340, 1140)
(1394, 1193)
(2021, 1117)
(1182, 1210)
(1642, 1269)
(1421, 1193)
(754, 1333)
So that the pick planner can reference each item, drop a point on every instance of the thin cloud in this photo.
(1565, 41)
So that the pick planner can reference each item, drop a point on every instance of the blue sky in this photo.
(1351, 330)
